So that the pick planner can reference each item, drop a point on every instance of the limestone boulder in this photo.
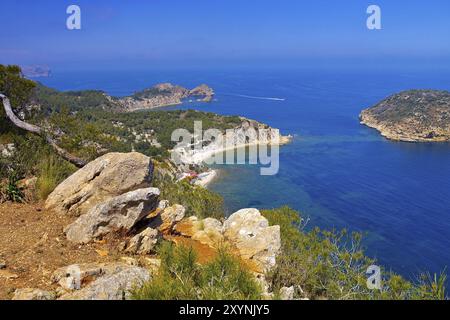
(144, 242)
(7, 150)
(254, 239)
(209, 232)
(113, 281)
(33, 294)
(106, 177)
(74, 276)
(120, 213)
(287, 293)
(163, 204)
(168, 217)
(152, 264)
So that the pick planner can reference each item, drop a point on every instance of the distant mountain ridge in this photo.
(412, 116)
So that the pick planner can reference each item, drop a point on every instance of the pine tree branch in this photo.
(39, 131)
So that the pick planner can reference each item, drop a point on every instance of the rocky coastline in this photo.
(411, 116)
(164, 95)
(248, 133)
(97, 234)
(92, 219)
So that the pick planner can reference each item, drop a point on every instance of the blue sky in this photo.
(171, 33)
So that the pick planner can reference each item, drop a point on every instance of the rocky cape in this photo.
(412, 116)
(36, 71)
(248, 133)
(163, 95)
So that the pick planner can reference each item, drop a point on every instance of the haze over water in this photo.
(336, 172)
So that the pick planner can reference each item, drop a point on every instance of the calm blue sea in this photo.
(336, 172)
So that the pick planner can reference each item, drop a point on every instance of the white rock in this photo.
(108, 176)
(144, 242)
(287, 293)
(33, 294)
(167, 219)
(72, 277)
(119, 213)
(114, 286)
(251, 234)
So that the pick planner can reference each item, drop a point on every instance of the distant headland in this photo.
(164, 94)
(412, 116)
(36, 71)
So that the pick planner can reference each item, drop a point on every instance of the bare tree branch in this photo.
(39, 131)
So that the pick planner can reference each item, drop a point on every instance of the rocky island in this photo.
(412, 116)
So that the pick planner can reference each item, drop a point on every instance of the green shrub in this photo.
(28, 151)
(181, 278)
(332, 265)
(12, 84)
(198, 201)
(11, 191)
(34, 157)
(52, 170)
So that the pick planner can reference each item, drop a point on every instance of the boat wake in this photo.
(255, 97)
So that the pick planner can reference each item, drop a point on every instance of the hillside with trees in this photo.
(172, 244)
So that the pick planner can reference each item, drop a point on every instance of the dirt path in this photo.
(32, 245)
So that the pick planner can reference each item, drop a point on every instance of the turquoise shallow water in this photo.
(336, 172)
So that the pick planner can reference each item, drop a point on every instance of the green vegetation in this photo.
(34, 158)
(181, 277)
(150, 93)
(198, 201)
(88, 124)
(11, 191)
(18, 89)
(320, 264)
(52, 100)
(431, 107)
(51, 171)
(332, 265)
(163, 123)
(90, 128)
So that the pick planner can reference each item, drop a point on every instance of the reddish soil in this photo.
(204, 253)
(32, 245)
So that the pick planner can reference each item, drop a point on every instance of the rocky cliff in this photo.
(247, 133)
(412, 116)
(164, 94)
